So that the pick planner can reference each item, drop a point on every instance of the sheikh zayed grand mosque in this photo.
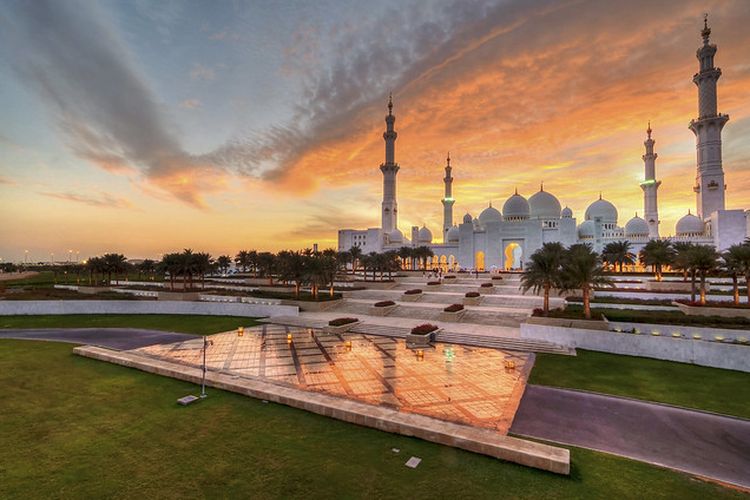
(503, 239)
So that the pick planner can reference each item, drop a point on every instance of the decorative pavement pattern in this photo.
(467, 385)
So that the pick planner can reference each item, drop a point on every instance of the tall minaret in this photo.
(448, 200)
(650, 186)
(709, 179)
(389, 169)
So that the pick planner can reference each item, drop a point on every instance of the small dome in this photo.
(396, 236)
(636, 227)
(689, 224)
(490, 214)
(602, 209)
(566, 213)
(452, 235)
(516, 207)
(587, 229)
(543, 205)
(468, 218)
(425, 235)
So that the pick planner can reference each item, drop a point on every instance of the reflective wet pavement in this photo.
(467, 385)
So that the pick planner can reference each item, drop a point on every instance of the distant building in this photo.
(504, 239)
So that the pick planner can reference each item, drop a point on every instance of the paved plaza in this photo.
(466, 385)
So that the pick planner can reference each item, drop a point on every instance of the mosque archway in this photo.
(479, 261)
(444, 263)
(435, 262)
(512, 253)
(452, 262)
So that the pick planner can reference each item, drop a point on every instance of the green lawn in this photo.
(199, 325)
(691, 386)
(47, 278)
(75, 427)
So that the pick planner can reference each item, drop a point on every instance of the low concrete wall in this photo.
(674, 286)
(724, 312)
(683, 350)
(683, 331)
(33, 307)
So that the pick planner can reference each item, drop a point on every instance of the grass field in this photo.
(199, 325)
(680, 384)
(75, 427)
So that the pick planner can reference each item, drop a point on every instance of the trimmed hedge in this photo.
(414, 291)
(454, 308)
(433, 283)
(342, 321)
(497, 277)
(424, 329)
(471, 295)
(450, 277)
(486, 285)
(384, 303)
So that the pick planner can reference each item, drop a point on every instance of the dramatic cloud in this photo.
(103, 200)
(102, 103)
(6, 181)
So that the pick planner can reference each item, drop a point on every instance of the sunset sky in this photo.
(146, 127)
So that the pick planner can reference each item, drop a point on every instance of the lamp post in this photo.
(206, 343)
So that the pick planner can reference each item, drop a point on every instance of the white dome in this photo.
(636, 227)
(452, 234)
(602, 209)
(467, 218)
(689, 224)
(490, 214)
(566, 213)
(516, 206)
(587, 229)
(425, 235)
(396, 236)
(543, 205)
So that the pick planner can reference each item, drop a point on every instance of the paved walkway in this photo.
(695, 442)
(113, 338)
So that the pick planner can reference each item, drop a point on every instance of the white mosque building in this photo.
(503, 239)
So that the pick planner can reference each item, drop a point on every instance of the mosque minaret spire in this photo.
(650, 186)
(709, 179)
(389, 220)
(448, 200)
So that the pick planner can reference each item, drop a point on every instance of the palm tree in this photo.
(681, 258)
(543, 271)
(391, 262)
(423, 253)
(291, 267)
(186, 267)
(242, 259)
(657, 253)
(618, 253)
(224, 262)
(704, 259)
(406, 254)
(356, 253)
(171, 264)
(114, 263)
(267, 265)
(737, 259)
(343, 259)
(203, 263)
(582, 270)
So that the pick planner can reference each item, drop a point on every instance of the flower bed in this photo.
(469, 295)
(423, 329)
(472, 298)
(497, 277)
(414, 291)
(382, 308)
(421, 335)
(453, 312)
(384, 303)
(433, 283)
(342, 321)
(450, 277)
(454, 308)
(412, 295)
(487, 285)
(712, 309)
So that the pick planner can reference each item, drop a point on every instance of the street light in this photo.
(206, 344)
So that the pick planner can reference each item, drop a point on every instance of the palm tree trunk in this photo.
(546, 299)
(692, 285)
(703, 288)
(735, 289)
(747, 286)
(586, 303)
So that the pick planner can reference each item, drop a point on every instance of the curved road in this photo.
(695, 442)
(699, 443)
(113, 338)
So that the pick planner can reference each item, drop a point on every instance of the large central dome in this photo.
(543, 205)
(603, 210)
(516, 207)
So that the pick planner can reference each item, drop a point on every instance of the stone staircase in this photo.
(445, 336)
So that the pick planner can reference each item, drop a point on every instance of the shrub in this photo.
(433, 282)
(414, 291)
(424, 329)
(450, 277)
(384, 303)
(470, 295)
(497, 277)
(729, 305)
(486, 285)
(538, 311)
(342, 321)
(454, 308)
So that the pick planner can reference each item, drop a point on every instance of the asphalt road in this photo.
(692, 441)
(113, 338)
